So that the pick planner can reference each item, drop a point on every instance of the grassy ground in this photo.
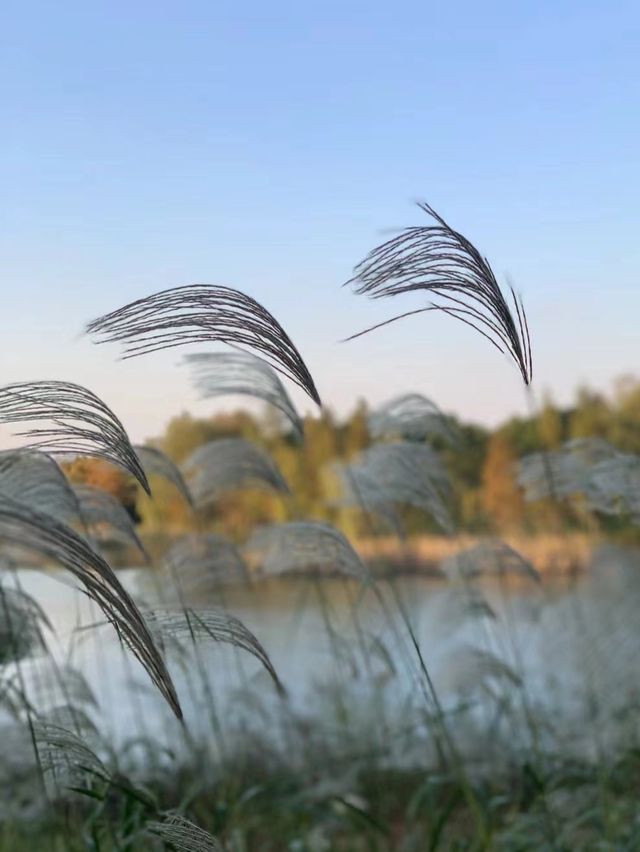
(266, 808)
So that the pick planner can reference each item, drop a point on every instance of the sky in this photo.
(269, 147)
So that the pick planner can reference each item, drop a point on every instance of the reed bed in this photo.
(297, 690)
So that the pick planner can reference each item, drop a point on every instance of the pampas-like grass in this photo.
(360, 489)
(200, 563)
(240, 373)
(209, 624)
(157, 463)
(438, 260)
(21, 623)
(202, 313)
(105, 517)
(587, 469)
(24, 527)
(467, 669)
(487, 558)
(306, 546)
(182, 835)
(227, 464)
(80, 423)
(410, 416)
(396, 473)
(35, 479)
(52, 683)
(458, 605)
(64, 755)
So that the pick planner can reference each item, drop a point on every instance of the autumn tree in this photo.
(501, 495)
(106, 476)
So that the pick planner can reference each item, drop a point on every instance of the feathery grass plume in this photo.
(240, 373)
(21, 625)
(35, 479)
(64, 755)
(48, 685)
(203, 313)
(182, 835)
(157, 463)
(73, 718)
(457, 605)
(564, 471)
(361, 490)
(99, 509)
(35, 531)
(201, 562)
(486, 558)
(439, 260)
(215, 624)
(587, 469)
(410, 416)
(80, 423)
(614, 486)
(400, 472)
(466, 669)
(228, 464)
(306, 546)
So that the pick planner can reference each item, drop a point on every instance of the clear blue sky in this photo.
(268, 146)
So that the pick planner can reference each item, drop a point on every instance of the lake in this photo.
(562, 656)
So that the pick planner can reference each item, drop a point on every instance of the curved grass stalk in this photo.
(202, 313)
(213, 624)
(412, 417)
(400, 472)
(157, 463)
(80, 423)
(182, 835)
(304, 546)
(35, 531)
(240, 373)
(229, 464)
(438, 260)
(99, 508)
(35, 479)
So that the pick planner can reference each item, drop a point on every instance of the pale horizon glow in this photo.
(147, 146)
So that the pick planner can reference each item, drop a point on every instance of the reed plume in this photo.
(80, 423)
(203, 313)
(157, 463)
(221, 373)
(27, 528)
(441, 261)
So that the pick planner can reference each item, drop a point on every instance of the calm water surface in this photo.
(572, 652)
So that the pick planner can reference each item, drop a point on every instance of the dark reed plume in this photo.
(437, 259)
(587, 471)
(410, 416)
(35, 479)
(21, 625)
(56, 682)
(182, 835)
(203, 313)
(222, 373)
(306, 545)
(157, 463)
(65, 755)
(467, 669)
(100, 509)
(79, 423)
(228, 464)
(493, 557)
(401, 472)
(200, 563)
(24, 527)
(214, 624)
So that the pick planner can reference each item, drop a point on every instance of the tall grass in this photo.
(416, 719)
